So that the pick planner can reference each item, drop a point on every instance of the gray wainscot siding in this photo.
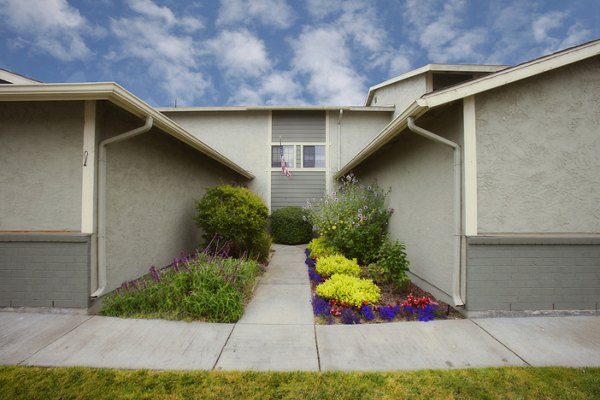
(297, 189)
(532, 273)
(298, 126)
(44, 270)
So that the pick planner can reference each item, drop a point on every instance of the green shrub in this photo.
(236, 215)
(349, 289)
(260, 246)
(289, 225)
(209, 288)
(337, 264)
(353, 220)
(391, 265)
(318, 248)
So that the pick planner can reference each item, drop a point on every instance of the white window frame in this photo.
(301, 144)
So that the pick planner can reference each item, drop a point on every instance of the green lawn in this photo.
(488, 383)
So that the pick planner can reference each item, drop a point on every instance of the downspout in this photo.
(102, 199)
(340, 138)
(456, 272)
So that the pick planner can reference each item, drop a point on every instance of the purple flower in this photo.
(367, 312)
(349, 317)
(314, 276)
(389, 312)
(310, 262)
(320, 306)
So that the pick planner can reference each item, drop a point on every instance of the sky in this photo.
(275, 52)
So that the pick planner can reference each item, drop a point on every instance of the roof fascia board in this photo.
(121, 98)
(513, 74)
(434, 67)
(15, 78)
(391, 130)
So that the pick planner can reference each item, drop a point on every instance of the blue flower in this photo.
(349, 317)
(320, 306)
(367, 312)
(389, 312)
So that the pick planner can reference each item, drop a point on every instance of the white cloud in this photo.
(240, 53)
(545, 23)
(164, 14)
(276, 13)
(322, 55)
(439, 27)
(52, 26)
(576, 34)
(152, 41)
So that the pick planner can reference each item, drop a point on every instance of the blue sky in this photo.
(282, 52)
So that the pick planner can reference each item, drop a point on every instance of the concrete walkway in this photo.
(277, 333)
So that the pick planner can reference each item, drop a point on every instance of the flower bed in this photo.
(409, 304)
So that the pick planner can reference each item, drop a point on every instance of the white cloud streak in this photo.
(274, 13)
(50, 26)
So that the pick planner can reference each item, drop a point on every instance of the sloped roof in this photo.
(15, 78)
(120, 97)
(433, 67)
(504, 77)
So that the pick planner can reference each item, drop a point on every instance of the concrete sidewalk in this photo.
(277, 333)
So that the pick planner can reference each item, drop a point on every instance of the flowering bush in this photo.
(424, 309)
(349, 290)
(353, 220)
(337, 264)
(318, 248)
(389, 312)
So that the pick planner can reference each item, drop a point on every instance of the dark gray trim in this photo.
(533, 240)
(44, 237)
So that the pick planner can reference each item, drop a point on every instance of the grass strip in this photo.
(17, 382)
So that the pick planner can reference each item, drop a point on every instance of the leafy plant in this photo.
(337, 264)
(391, 265)
(423, 308)
(353, 219)
(349, 290)
(238, 216)
(290, 225)
(205, 287)
(319, 248)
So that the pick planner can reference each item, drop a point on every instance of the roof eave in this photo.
(391, 130)
(122, 98)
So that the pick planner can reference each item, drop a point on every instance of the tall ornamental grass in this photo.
(209, 286)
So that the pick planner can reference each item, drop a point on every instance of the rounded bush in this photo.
(337, 264)
(236, 215)
(318, 248)
(349, 289)
(289, 225)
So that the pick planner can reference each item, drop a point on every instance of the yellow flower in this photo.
(333, 227)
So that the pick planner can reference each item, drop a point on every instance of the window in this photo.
(288, 156)
(312, 156)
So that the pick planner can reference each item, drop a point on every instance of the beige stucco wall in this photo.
(420, 175)
(40, 166)
(538, 153)
(356, 130)
(242, 136)
(401, 93)
(152, 184)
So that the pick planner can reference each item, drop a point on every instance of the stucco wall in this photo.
(241, 136)
(538, 153)
(152, 184)
(357, 130)
(40, 166)
(401, 93)
(420, 175)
